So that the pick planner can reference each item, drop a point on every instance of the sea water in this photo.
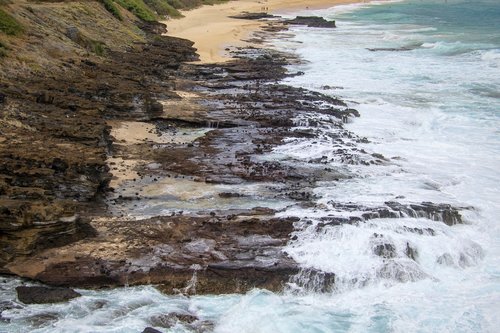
(425, 76)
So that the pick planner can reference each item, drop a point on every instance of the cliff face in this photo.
(70, 67)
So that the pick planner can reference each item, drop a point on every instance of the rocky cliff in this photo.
(69, 68)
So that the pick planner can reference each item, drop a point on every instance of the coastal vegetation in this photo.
(139, 9)
(164, 8)
(151, 10)
(111, 7)
(8, 24)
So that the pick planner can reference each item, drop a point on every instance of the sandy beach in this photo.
(213, 31)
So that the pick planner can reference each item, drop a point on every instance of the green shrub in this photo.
(162, 7)
(176, 4)
(213, 2)
(9, 25)
(139, 8)
(111, 7)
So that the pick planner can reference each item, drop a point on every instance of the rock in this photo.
(74, 34)
(313, 280)
(3, 98)
(150, 330)
(385, 250)
(437, 212)
(411, 252)
(446, 259)
(389, 49)
(45, 98)
(169, 320)
(154, 108)
(253, 16)
(153, 27)
(312, 22)
(42, 319)
(230, 195)
(42, 295)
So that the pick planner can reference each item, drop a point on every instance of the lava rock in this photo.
(389, 49)
(73, 33)
(385, 250)
(171, 319)
(45, 98)
(43, 295)
(411, 252)
(150, 330)
(253, 16)
(312, 22)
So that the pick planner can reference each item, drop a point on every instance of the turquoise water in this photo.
(435, 106)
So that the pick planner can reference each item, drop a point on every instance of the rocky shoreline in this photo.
(147, 168)
(246, 113)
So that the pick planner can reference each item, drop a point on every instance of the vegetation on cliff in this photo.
(8, 24)
(163, 7)
(139, 8)
(111, 7)
(151, 10)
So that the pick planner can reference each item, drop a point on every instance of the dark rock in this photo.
(154, 108)
(385, 250)
(411, 252)
(74, 34)
(150, 330)
(313, 280)
(3, 98)
(253, 16)
(153, 27)
(171, 319)
(436, 212)
(7, 305)
(59, 165)
(312, 22)
(390, 49)
(229, 195)
(42, 295)
(45, 98)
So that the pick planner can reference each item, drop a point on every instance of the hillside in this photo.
(66, 68)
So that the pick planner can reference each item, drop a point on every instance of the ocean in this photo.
(425, 77)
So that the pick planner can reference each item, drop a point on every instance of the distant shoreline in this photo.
(212, 30)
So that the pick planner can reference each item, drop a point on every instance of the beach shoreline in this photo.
(213, 31)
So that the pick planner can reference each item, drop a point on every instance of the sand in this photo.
(213, 31)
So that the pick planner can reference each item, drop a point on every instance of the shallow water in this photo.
(433, 111)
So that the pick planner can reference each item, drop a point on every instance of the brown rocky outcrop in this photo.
(205, 254)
